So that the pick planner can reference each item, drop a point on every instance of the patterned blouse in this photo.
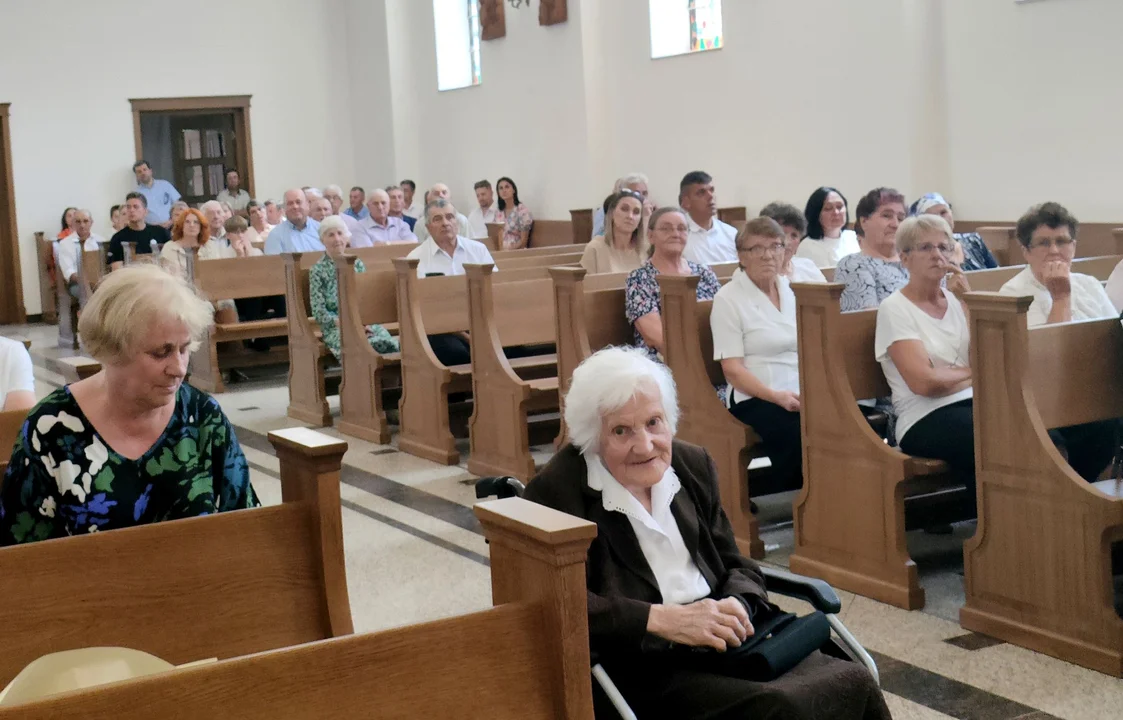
(517, 222)
(64, 480)
(641, 295)
(976, 255)
(323, 288)
(868, 280)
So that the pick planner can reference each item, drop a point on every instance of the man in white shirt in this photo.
(274, 215)
(233, 194)
(1047, 234)
(710, 240)
(259, 225)
(216, 220)
(70, 249)
(485, 213)
(440, 191)
(445, 251)
(412, 208)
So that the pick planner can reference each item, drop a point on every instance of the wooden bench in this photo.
(311, 378)
(221, 586)
(11, 422)
(45, 265)
(993, 279)
(731, 215)
(543, 233)
(582, 221)
(850, 517)
(502, 315)
(77, 367)
(1038, 569)
(311, 374)
(1093, 240)
(94, 267)
(704, 419)
(525, 658)
(66, 306)
(433, 306)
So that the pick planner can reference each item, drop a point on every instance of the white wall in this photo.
(71, 122)
(1035, 107)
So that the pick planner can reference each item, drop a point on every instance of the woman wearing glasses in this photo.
(923, 344)
(1047, 233)
(754, 331)
(875, 272)
(668, 231)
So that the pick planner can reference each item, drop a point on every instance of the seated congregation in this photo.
(763, 340)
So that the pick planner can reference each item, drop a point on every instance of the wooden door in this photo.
(11, 284)
(205, 147)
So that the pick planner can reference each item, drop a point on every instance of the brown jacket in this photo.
(621, 586)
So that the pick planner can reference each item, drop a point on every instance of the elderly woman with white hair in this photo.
(132, 444)
(668, 589)
(323, 290)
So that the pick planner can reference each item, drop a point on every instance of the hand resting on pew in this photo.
(131, 444)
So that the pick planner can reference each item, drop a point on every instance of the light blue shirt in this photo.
(361, 215)
(286, 238)
(395, 230)
(598, 222)
(161, 196)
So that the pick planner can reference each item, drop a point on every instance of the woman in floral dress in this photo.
(516, 216)
(323, 290)
(132, 444)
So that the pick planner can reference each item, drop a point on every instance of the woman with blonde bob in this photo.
(132, 444)
(664, 569)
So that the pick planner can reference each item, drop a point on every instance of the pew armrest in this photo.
(817, 592)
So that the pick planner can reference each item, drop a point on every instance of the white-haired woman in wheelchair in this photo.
(671, 598)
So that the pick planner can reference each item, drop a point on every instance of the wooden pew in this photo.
(94, 266)
(217, 586)
(435, 306)
(850, 518)
(45, 257)
(78, 367)
(993, 279)
(1093, 240)
(527, 658)
(1038, 569)
(582, 221)
(506, 314)
(66, 308)
(311, 377)
(731, 215)
(11, 422)
(704, 419)
(545, 233)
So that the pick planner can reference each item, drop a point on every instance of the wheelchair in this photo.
(817, 593)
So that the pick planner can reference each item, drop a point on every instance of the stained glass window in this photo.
(679, 27)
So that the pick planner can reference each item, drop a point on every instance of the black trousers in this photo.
(779, 429)
(451, 349)
(948, 434)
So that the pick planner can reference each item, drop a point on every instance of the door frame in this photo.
(238, 105)
(12, 309)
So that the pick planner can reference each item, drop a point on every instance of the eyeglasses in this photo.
(927, 248)
(1061, 243)
(758, 251)
(675, 229)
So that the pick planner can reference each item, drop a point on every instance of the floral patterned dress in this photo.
(641, 295)
(868, 280)
(323, 287)
(517, 222)
(64, 480)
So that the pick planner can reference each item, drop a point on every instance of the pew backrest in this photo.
(992, 280)
(582, 225)
(10, 423)
(221, 586)
(551, 232)
(1091, 349)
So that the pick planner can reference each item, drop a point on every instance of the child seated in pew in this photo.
(1048, 234)
(131, 444)
(323, 289)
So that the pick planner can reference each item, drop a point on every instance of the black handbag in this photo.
(778, 644)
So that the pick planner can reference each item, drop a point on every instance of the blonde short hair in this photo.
(917, 226)
(130, 300)
(333, 222)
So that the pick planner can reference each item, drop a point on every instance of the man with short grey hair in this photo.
(633, 181)
(298, 232)
(216, 218)
(379, 226)
(69, 252)
(398, 206)
(440, 191)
